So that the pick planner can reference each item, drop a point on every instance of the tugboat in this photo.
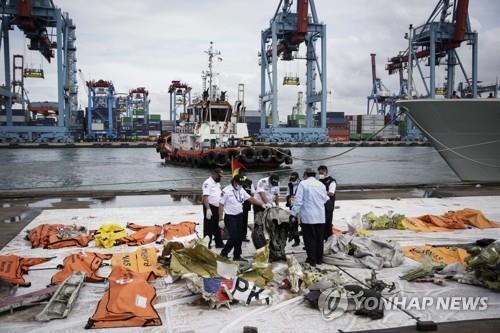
(210, 133)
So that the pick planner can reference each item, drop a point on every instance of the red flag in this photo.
(236, 166)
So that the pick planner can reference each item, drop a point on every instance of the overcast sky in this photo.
(152, 42)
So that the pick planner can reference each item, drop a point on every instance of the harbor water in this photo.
(141, 169)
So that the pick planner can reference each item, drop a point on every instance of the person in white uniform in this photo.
(211, 198)
(266, 191)
(231, 215)
(309, 207)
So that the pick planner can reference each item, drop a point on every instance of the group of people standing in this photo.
(311, 202)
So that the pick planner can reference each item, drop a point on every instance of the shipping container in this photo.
(97, 127)
(154, 117)
(15, 119)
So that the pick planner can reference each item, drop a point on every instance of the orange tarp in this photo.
(12, 268)
(438, 254)
(86, 262)
(128, 302)
(182, 229)
(452, 220)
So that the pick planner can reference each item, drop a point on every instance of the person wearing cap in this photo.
(308, 206)
(330, 185)
(293, 184)
(211, 198)
(267, 191)
(247, 206)
(231, 215)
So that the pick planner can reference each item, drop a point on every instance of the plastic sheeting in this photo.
(288, 313)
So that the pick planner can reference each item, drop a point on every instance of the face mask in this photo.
(244, 178)
(238, 187)
(321, 176)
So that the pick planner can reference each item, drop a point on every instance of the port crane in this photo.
(35, 19)
(381, 100)
(280, 41)
(447, 29)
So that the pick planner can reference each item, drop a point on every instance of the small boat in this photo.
(211, 133)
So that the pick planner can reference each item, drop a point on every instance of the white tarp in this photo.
(296, 316)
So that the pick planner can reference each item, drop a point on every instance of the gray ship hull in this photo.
(470, 127)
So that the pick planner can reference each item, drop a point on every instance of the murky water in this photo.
(139, 168)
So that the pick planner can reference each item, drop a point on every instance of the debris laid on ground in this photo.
(128, 302)
(439, 254)
(11, 303)
(142, 235)
(86, 262)
(144, 260)
(65, 296)
(108, 235)
(56, 236)
(460, 219)
(383, 222)
(12, 268)
(363, 252)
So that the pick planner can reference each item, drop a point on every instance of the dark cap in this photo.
(274, 179)
(217, 171)
(309, 172)
(294, 174)
(238, 179)
(323, 167)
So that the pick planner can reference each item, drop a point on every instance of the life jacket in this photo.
(86, 262)
(108, 234)
(142, 235)
(182, 229)
(12, 268)
(56, 236)
(128, 302)
(144, 260)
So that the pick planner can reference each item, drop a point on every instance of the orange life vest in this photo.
(142, 235)
(128, 302)
(12, 268)
(86, 262)
(182, 229)
(56, 236)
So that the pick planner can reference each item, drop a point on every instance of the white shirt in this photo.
(310, 201)
(212, 189)
(233, 200)
(264, 185)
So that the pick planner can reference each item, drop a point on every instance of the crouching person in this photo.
(231, 215)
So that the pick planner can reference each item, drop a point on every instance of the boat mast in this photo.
(210, 74)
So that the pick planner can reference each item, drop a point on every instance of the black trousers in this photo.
(246, 209)
(211, 227)
(313, 240)
(329, 207)
(234, 225)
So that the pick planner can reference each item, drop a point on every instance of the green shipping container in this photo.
(155, 117)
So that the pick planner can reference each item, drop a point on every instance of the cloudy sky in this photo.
(152, 42)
